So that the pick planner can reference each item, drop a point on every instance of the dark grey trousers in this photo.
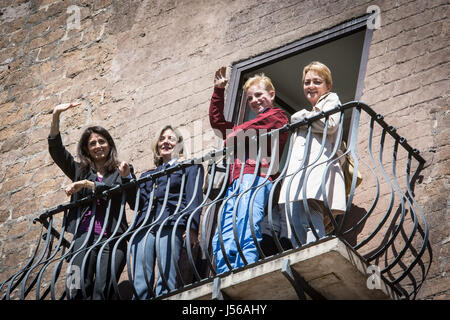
(97, 282)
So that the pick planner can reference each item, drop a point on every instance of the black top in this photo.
(72, 169)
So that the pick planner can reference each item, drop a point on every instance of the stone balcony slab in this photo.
(330, 267)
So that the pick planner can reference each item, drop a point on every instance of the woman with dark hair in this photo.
(164, 213)
(98, 169)
(83, 149)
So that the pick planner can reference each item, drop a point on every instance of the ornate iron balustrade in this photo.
(382, 221)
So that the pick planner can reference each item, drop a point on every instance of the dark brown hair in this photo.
(83, 151)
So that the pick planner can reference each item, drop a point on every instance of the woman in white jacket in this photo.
(301, 189)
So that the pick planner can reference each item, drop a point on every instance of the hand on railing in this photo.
(124, 169)
(77, 186)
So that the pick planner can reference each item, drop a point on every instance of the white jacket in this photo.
(311, 176)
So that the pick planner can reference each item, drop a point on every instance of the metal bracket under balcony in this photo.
(328, 269)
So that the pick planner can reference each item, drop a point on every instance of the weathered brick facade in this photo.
(137, 65)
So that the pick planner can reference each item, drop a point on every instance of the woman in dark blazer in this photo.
(157, 223)
(98, 169)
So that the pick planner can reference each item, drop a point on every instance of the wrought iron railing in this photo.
(382, 222)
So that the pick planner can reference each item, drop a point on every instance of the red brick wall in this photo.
(139, 64)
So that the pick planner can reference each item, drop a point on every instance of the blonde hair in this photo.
(157, 159)
(257, 79)
(322, 70)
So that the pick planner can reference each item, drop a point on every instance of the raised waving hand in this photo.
(54, 128)
(220, 79)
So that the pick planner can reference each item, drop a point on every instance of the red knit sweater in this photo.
(272, 118)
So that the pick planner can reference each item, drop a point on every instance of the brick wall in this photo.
(407, 82)
(137, 65)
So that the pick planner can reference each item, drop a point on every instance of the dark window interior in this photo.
(342, 56)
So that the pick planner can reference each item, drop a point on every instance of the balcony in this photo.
(377, 249)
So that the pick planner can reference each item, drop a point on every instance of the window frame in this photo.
(234, 94)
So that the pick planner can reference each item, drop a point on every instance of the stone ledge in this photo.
(330, 267)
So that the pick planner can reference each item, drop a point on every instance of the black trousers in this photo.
(97, 282)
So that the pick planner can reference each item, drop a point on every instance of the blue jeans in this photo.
(169, 271)
(246, 242)
(301, 224)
